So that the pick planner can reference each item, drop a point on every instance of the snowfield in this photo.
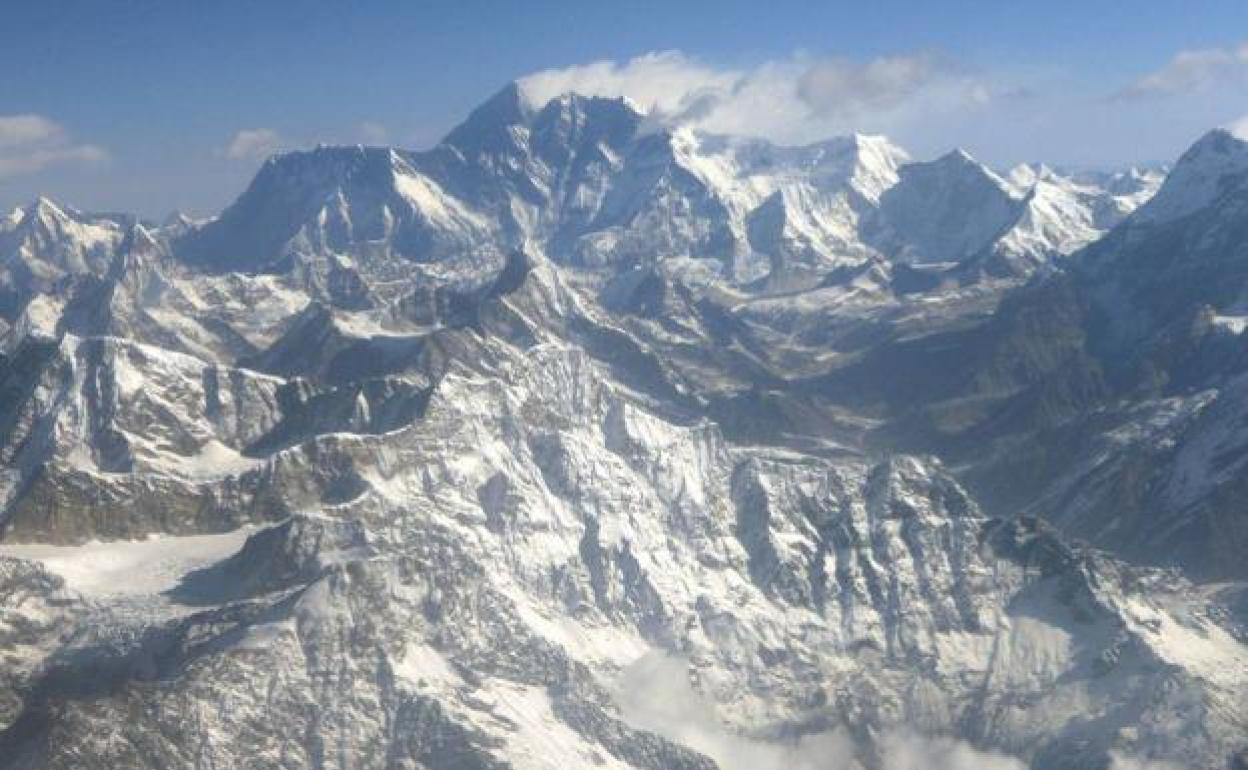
(148, 567)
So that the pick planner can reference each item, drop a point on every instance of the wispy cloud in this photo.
(1120, 761)
(372, 133)
(1191, 72)
(666, 81)
(1239, 128)
(23, 130)
(31, 143)
(797, 98)
(253, 144)
(655, 694)
(911, 751)
(845, 86)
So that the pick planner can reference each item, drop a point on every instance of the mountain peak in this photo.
(179, 218)
(1220, 140)
(958, 164)
(491, 122)
(505, 121)
(1214, 165)
(945, 210)
(324, 166)
(867, 161)
(362, 201)
(870, 147)
(46, 218)
(141, 238)
(577, 108)
(45, 209)
(957, 157)
(878, 161)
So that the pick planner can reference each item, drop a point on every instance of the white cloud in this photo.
(798, 98)
(655, 693)
(910, 751)
(882, 83)
(21, 130)
(31, 143)
(665, 80)
(1120, 761)
(253, 144)
(1239, 128)
(373, 133)
(38, 159)
(1193, 71)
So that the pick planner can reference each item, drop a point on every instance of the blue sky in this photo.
(153, 105)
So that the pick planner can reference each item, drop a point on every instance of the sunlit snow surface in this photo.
(121, 568)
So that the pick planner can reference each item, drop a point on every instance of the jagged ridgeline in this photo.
(580, 441)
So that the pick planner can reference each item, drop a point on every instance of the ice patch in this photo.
(1235, 324)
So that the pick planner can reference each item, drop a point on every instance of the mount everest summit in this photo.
(583, 441)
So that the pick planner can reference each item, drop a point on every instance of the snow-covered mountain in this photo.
(43, 243)
(580, 440)
(1097, 397)
(1063, 213)
(593, 183)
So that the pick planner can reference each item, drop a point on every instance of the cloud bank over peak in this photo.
(253, 144)
(799, 98)
(1239, 128)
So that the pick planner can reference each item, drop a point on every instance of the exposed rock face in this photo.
(573, 443)
(519, 547)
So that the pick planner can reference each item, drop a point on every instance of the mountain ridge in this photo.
(511, 145)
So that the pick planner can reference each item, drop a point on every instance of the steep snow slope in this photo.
(1062, 214)
(947, 209)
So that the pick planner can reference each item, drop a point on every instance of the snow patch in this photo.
(130, 567)
(421, 664)
(537, 738)
(1235, 324)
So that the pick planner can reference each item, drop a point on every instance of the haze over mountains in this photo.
(580, 440)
